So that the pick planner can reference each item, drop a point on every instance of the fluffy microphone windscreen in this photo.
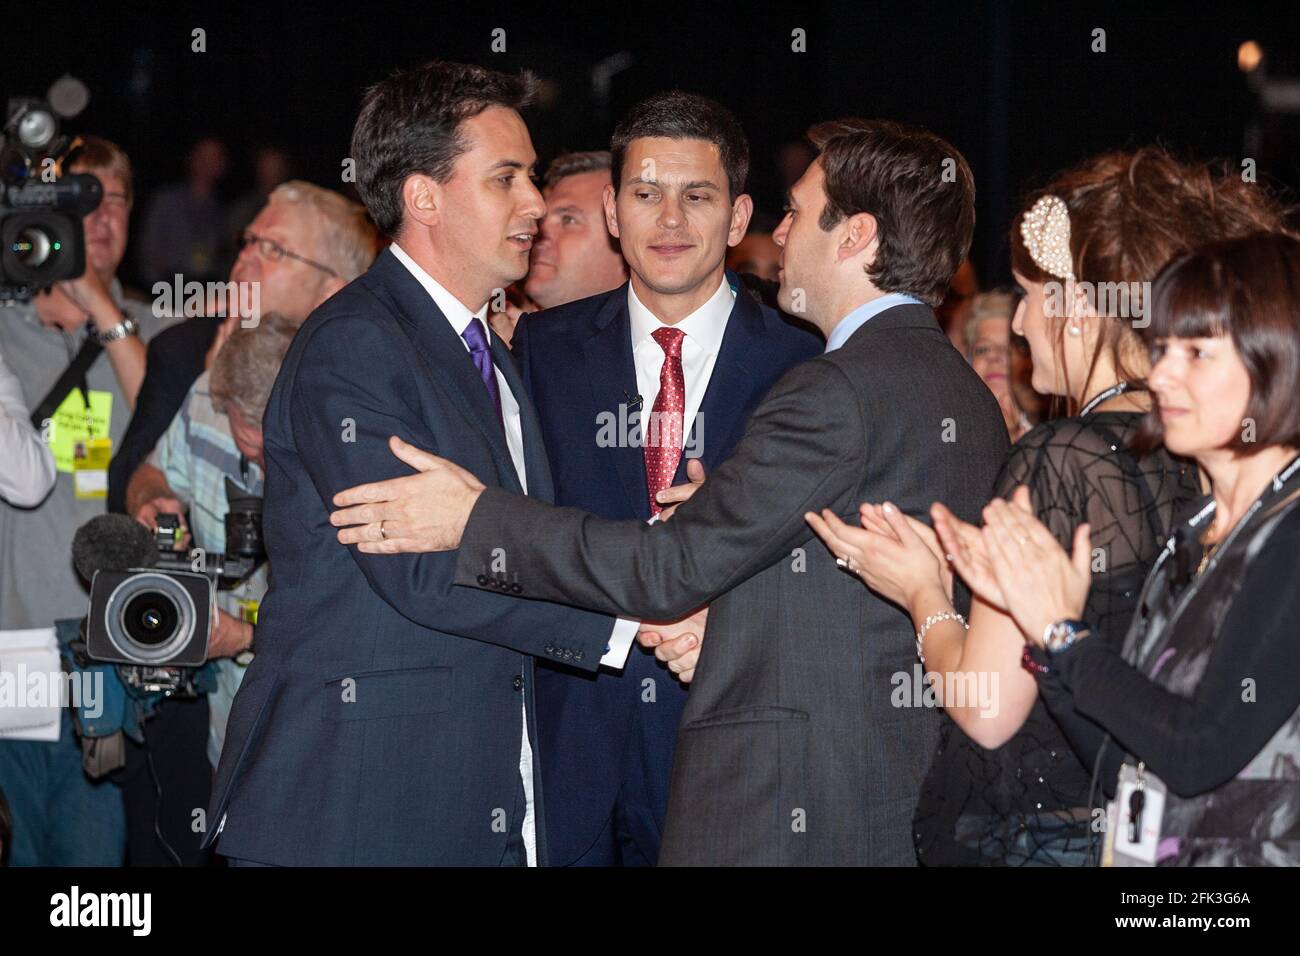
(113, 543)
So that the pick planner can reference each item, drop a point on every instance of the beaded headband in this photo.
(1046, 231)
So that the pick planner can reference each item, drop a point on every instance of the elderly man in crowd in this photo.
(304, 246)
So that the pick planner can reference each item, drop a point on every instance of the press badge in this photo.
(1133, 818)
(248, 610)
(73, 429)
(90, 457)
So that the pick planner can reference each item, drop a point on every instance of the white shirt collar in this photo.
(457, 312)
(705, 326)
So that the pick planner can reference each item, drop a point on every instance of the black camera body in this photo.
(150, 604)
(149, 617)
(42, 240)
(245, 549)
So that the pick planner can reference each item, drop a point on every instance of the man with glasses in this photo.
(305, 245)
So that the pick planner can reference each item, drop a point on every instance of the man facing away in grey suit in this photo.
(800, 743)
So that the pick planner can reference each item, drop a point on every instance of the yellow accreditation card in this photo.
(78, 438)
(90, 467)
(248, 610)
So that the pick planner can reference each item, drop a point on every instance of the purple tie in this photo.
(476, 338)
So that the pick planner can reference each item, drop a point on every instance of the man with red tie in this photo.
(682, 354)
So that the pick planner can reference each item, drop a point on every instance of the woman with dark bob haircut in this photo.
(1202, 706)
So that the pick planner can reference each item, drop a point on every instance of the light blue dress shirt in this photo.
(859, 316)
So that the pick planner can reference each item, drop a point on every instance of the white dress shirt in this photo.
(459, 316)
(26, 463)
(702, 340)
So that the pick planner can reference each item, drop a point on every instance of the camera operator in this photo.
(59, 816)
(318, 241)
(225, 405)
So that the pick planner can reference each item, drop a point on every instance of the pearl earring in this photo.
(1072, 329)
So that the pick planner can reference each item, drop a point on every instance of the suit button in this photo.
(568, 654)
(482, 579)
(517, 682)
(516, 588)
(578, 656)
(550, 648)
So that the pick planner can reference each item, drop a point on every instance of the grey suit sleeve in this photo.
(803, 451)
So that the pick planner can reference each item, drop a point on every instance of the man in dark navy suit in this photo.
(387, 718)
(681, 341)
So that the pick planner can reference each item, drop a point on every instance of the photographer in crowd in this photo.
(59, 816)
(301, 249)
(225, 405)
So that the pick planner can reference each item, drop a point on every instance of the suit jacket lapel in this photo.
(732, 380)
(537, 468)
(612, 377)
(445, 353)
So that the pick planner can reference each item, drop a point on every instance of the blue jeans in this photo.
(61, 817)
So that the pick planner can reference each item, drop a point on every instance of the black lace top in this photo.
(982, 806)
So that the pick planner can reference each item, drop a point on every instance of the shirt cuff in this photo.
(620, 643)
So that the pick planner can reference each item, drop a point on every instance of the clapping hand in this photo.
(895, 555)
(1042, 584)
(964, 545)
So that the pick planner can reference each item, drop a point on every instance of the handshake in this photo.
(677, 643)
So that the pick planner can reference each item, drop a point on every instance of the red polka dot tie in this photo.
(661, 434)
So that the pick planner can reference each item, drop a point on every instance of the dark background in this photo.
(1014, 85)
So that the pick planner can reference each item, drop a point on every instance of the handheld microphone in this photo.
(112, 543)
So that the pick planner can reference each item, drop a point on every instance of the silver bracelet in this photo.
(128, 326)
(935, 619)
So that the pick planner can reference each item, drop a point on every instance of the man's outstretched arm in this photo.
(330, 387)
(802, 451)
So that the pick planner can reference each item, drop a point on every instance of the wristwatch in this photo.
(1057, 637)
(245, 657)
(128, 326)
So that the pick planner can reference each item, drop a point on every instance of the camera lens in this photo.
(33, 246)
(40, 246)
(150, 618)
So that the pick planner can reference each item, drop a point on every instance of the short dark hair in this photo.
(574, 164)
(410, 123)
(896, 173)
(679, 115)
(1247, 288)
